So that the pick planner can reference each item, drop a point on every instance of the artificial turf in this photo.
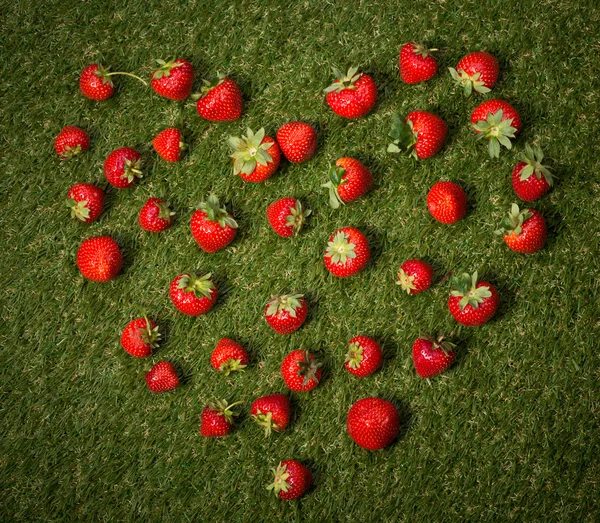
(510, 433)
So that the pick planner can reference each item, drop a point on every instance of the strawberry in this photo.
(297, 141)
(162, 377)
(476, 72)
(292, 479)
(169, 144)
(497, 122)
(472, 303)
(373, 423)
(85, 201)
(524, 230)
(416, 63)
(285, 313)
(139, 337)
(352, 95)
(193, 296)
(212, 226)
(220, 101)
(95, 82)
(272, 412)
(256, 157)
(348, 180)
(447, 202)
(173, 79)
(286, 216)
(531, 179)
(99, 258)
(122, 167)
(421, 135)
(347, 252)
(364, 356)
(155, 215)
(71, 141)
(217, 419)
(301, 371)
(432, 356)
(229, 356)
(415, 276)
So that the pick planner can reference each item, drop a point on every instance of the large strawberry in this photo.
(421, 134)
(373, 423)
(85, 201)
(255, 156)
(169, 144)
(193, 296)
(139, 337)
(212, 226)
(447, 202)
(292, 479)
(301, 371)
(432, 356)
(531, 179)
(496, 121)
(99, 258)
(285, 313)
(71, 141)
(173, 79)
(286, 216)
(162, 377)
(122, 167)
(297, 141)
(415, 276)
(155, 215)
(476, 72)
(95, 82)
(524, 230)
(472, 302)
(352, 95)
(416, 63)
(364, 356)
(347, 252)
(228, 356)
(348, 180)
(217, 419)
(219, 101)
(272, 412)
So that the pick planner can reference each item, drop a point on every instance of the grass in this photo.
(510, 433)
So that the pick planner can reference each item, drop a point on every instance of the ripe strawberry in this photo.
(416, 63)
(301, 371)
(472, 303)
(139, 337)
(531, 179)
(347, 252)
(285, 313)
(162, 377)
(220, 101)
(352, 95)
(297, 141)
(229, 356)
(155, 215)
(217, 419)
(99, 258)
(447, 202)
(524, 230)
(421, 135)
(169, 144)
(373, 423)
(286, 216)
(415, 276)
(85, 201)
(432, 356)
(497, 122)
(256, 157)
(292, 479)
(272, 412)
(364, 356)
(95, 82)
(477, 71)
(348, 180)
(173, 79)
(193, 296)
(122, 167)
(212, 226)
(71, 141)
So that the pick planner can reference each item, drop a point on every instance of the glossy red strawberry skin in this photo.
(226, 350)
(277, 214)
(209, 235)
(223, 103)
(372, 357)
(178, 85)
(99, 258)
(94, 196)
(483, 63)
(264, 172)
(279, 407)
(447, 202)
(430, 361)
(131, 339)
(531, 188)
(413, 67)
(162, 377)
(373, 423)
(299, 480)
(297, 141)
(421, 273)
(187, 302)
(214, 424)
(488, 107)
(71, 141)
(114, 167)
(149, 218)
(289, 372)
(532, 236)
(167, 144)
(474, 317)
(354, 103)
(356, 182)
(431, 133)
(282, 322)
(92, 86)
(352, 265)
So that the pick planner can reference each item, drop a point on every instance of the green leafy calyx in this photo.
(221, 407)
(248, 151)
(421, 50)
(441, 343)
(355, 355)
(164, 211)
(297, 217)
(266, 421)
(340, 250)
(201, 287)
(468, 83)
(343, 81)
(285, 303)
(336, 175)
(405, 281)
(308, 368)
(280, 483)
(467, 290)
(403, 136)
(513, 224)
(230, 366)
(131, 169)
(149, 335)
(533, 158)
(79, 210)
(215, 213)
(497, 131)
(165, 68)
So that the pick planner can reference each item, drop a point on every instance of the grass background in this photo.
(510, 433)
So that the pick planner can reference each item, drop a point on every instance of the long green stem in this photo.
(129, 74)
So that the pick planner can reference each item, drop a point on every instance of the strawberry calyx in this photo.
(284, 303)
(248, 151)
(131, 169)
(215, 213)
(513, 224)
(297, 217)
(266, 421)
(421, 50)
(201, 287)
(230, 366)
(336, 173)
(164, 211)
(308, 368)
(403, 136)
(71, 152)
(165, 68)
(79, 210)
(221, 408)
(533, 158)
(405, 281)
(440, 343)
(497, 131)
(468, 83)
(208, 86)
(340, 250)
(354, 356)
(467, 290)
(343, 81)
(280, 482)
(149, 335)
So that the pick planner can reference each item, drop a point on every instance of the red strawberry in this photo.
(217, 419)
(285, 313)
(364, 356)
(71, 141)
(476, 71)
(99, 258)
(432, 356)
(347, 252)
(524, 230)
(85, 201)
(173, 79)
(162, 377)
(193, 296)
(229, 356)
(416, 63)
(155, 215)
(531, 179)
(256, 157)
(472, 303)
(122, 167)
(169, 144)
(95, 82)
(348, 180)
(139, 337)
(415, 276)
(286, 216)
(497, 122)
(373, 423)
(272, 412)
(212, 226)
(352, 95)
(220, 101)
(292, 479)
(297, 141)
(301, 371)
(447, 202)
(421, 135)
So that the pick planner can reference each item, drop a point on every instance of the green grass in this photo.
(510, 433)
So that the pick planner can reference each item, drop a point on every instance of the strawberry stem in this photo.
(127, 74)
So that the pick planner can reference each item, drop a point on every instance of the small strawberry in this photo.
(301, 371)
(364, 356)
(292, 479)
(212, 226)
(432, 356)
(155, 215)
(497, 122)
(99, 258)
(348, 180)
(162, 377)
(530, 179)
(297, 141)
(71, 141)
(193, 296)
(352, 95)
(122, 167)
(347, 252)
(95, 82)
(285, 313)
(421, 135)
(139, 337)
(272, 412)
(217, 419)
(373, 423)
(229, 356)
(524, 230)
(415, 276)
(169, 144)
(173, 79)
(416, 63)
(476, 72)
(447, 202)
(220, 101)
(286, 216)
(85, 201)
(256, 157)
(472, 303)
